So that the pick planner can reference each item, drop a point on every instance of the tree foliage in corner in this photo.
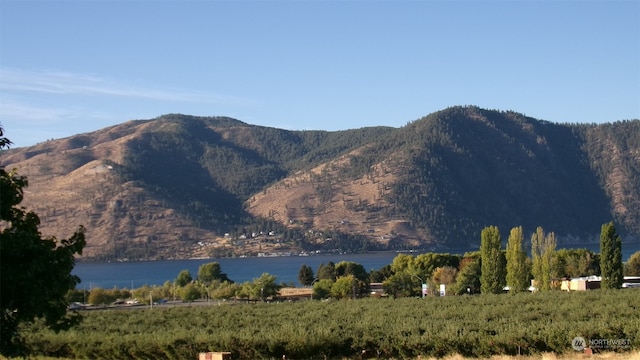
(35, 272)
(492, 279)
(610, 257)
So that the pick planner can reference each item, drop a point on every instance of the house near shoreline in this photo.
(593, 282)
(292, 293)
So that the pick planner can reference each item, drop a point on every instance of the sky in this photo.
(71, 67)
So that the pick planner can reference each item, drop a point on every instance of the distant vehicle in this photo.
(75, 306)
(630, 285)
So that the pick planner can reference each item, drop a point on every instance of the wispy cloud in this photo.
(36, 114)
(39, 105)
(16, 110)
(28, 124)
(65, 83)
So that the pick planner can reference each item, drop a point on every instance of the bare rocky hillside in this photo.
(181, 186)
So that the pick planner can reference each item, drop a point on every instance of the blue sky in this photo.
(69, 67)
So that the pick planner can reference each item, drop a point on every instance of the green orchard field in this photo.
(470, 326)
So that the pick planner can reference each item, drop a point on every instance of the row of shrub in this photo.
(478, 326)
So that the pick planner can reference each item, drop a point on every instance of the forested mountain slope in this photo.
(500, 168)
(183, 186)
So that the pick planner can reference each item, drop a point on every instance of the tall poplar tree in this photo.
(549, 266)
(517, 269)
(610, 257)
(543, 248)
(493, 273)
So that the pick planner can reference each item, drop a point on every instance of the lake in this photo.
(135, 274)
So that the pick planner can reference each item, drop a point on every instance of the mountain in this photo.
(183, 186)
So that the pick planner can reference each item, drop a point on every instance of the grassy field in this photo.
(631, 355)
(455, 327)
(550, 356)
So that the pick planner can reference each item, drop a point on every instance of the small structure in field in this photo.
(224, 355)
(289, 293)
(593, 282)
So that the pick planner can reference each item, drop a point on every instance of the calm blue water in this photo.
(138, 273)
